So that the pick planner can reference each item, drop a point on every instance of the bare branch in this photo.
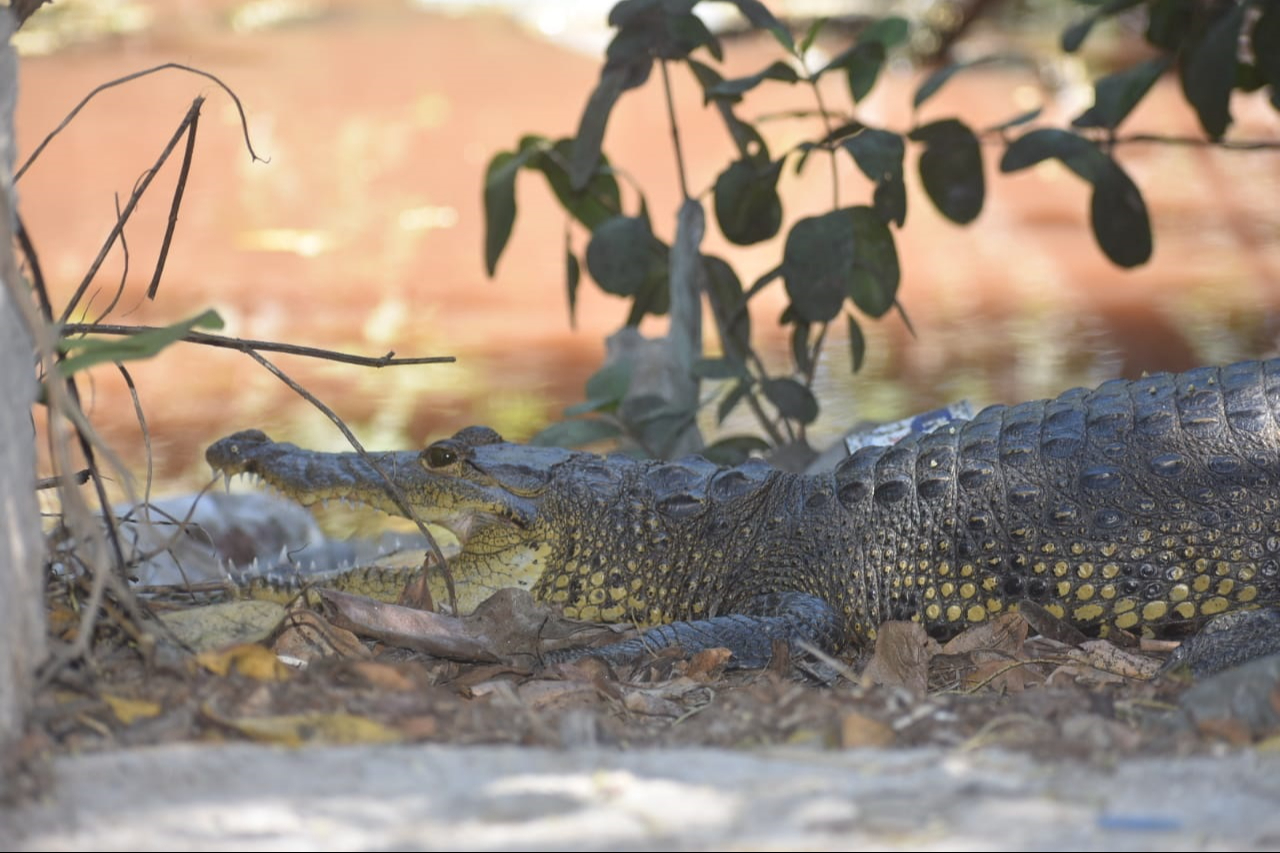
(249, 346)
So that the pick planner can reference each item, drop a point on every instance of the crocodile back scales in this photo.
(1138, 503)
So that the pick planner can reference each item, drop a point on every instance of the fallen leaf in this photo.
(406, 627)
(548, 693)
(857, 730)
(708, 664)
(381, 676)
(418, 728)
(300, 729)
(308, 636)
(252, 661)
(987, 655)
(217, 626)
(1004, 634)
(901, 658)
(1100, 662)
(128, 711)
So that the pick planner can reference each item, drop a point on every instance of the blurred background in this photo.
(364, 231)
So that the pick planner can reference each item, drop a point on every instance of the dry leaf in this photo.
(901, 658)
(300, 729)
(308, 636)
(548, 693)
(217, 626)
(129, 710)
(381, 676)
(405, 627)
(860, 730)
(1004, 634)
(252, 661)
(708, 664)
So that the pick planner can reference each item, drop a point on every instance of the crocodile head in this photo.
(486, 491)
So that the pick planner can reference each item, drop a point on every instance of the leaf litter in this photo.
(338, 668)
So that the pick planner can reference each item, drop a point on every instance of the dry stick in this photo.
(134, 198)
(64, 399)
(173, 208)
(244, 122)
(394, 491)
(124, 273)
(249, 345)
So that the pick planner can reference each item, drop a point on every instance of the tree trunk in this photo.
(22, 634)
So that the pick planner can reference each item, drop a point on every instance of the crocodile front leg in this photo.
(796, 617)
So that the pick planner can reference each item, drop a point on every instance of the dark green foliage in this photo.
(817, 265)
(1209, 71)
(879, 154)
(1117, 94)
(748, 207)
(951, 169)
(618, 256)
(844, 259)
(1117, 212)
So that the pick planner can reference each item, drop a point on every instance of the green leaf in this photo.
(811, 35)
(792, 400)
(654, 296)
(748, 207)
(1209, 72)
(1078, 154)
(591, 205)
(576, 433)
(725, 290)
(1074, 35)
(1117, 94)
(1169, 22)
(937, 79)
(572, 275)
(857, 343)
(800, 346)
(889, 31)
(951, 169)
(685, 33)
(1020, 118)
(761, 18)
(83, 353)
(730, 401)
(1119, 218)
(879, 155)
(873, 284)
(606, 388)
(499, 204)
(863, 68)
(734, 449)
(817, 263)
(735, 88)
(614, 80)
(1266, 45)
(619, 256)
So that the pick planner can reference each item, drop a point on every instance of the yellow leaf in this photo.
(299, 729)
(129, 710)
(250, 660)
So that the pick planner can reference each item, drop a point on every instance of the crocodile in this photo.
(1146, 505)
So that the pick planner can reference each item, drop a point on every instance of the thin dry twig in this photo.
(244, 122)
(179, 188)
(134, 198)
(249, 345)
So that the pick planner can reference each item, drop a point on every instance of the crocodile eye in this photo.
(439, 457)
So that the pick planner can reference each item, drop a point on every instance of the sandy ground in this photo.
(505, 798)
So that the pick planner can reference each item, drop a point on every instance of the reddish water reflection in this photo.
(364, 233)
